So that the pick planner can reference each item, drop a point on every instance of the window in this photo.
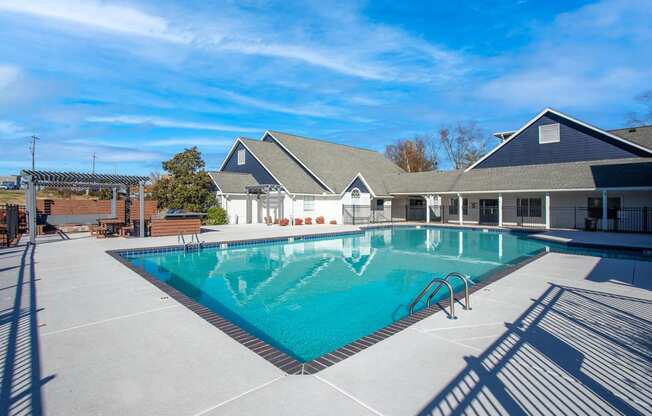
(595, 207)
(380, 204)
(355, 193)
(241, 157)
(549, 133)
(308, 203)
(453, 208)
(528, 207)
(417, 203)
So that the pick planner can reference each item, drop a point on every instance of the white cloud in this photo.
(312, 110)
(344, 43)
(189, 141)
(8, 75)
(10, 129)
(590, 57)
(100, 15)
(169, 123)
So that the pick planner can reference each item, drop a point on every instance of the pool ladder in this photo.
(194, 240)
(451, 293)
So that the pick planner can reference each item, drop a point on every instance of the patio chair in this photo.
(126, 230)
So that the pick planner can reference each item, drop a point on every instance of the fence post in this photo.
(645, 219)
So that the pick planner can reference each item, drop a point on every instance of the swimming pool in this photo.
(310, 297)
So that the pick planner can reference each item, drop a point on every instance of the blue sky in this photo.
(137, 81)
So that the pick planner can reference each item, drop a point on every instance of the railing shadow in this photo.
(20, 391)
(574, 351)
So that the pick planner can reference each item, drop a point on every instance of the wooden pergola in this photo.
(266, 190)
(35, 179)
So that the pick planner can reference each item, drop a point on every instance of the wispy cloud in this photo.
(8, 74)
(168, 123)
(9, 129)
(380, 52)
(101, 15)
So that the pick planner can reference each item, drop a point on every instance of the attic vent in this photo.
(632, 130)
(241, 157)
(549, 133)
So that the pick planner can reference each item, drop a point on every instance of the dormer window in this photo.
(241, 157)
(549, 133)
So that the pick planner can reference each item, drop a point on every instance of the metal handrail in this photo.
(464, 279)
(425, 290)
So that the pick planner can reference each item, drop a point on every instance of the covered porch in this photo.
(591, 209)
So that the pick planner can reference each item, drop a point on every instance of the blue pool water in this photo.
(310, 297)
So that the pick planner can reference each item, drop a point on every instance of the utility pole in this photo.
(33, 149)
(94, 157)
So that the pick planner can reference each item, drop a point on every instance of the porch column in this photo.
(279, 208)
(428, 208)
(459, 208)
(267, 205)
(547, 210)
(141, 207)
(249, 214)
(605, 217)
(113, 202)
(292, 202)
(500, 210)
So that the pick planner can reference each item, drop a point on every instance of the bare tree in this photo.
(414, 155)
(640, 119)
(464, 144)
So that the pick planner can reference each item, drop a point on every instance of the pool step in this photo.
(451, 293)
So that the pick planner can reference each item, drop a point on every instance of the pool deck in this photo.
(82, 334)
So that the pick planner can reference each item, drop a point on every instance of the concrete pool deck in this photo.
(82, 334)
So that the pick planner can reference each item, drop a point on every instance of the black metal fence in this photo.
(627, 219)
(9, 224)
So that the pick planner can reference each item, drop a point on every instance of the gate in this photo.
(356, 214)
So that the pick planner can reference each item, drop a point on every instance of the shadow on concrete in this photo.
(574, 351)
(20, 392)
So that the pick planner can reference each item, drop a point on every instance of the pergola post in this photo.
(248, 204)
(114, 202)
(141, 207)
(30, 204)
(427, 208)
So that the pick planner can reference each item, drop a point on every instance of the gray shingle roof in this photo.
(283, 167)
(639, 135)
(614, 173)
(232, 182)
(337, 164)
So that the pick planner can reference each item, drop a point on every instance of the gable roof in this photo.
(640, 135)
(560, 114)
(601, 174)
(282, 167)
(336, 165)
(232, 182)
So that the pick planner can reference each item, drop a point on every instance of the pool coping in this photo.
(275, 356)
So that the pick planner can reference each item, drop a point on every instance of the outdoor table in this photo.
(112, 223)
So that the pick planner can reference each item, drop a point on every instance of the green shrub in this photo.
(216, 216)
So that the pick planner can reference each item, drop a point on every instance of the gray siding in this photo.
(357, 183)
(577, 143)
(251, 166)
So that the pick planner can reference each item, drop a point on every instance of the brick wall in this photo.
(92, 206)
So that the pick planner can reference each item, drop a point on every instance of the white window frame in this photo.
(308, 203)
(545, 132)
(242, 154)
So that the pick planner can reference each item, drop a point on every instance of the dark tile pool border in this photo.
(278, 358)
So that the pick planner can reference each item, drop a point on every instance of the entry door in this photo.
(488, 211)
